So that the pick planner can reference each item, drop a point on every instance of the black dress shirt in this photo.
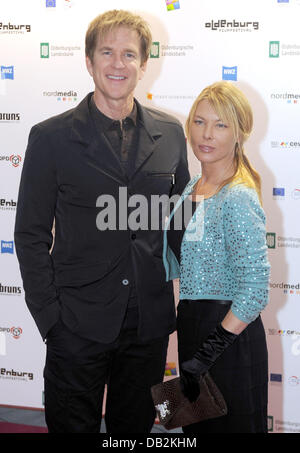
(123, 137)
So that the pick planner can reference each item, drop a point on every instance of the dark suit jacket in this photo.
(84, 278)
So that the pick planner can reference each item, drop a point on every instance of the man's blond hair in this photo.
(110, 20)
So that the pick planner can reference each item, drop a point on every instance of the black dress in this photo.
(241, 372)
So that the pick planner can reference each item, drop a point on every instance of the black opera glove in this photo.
(203, 359)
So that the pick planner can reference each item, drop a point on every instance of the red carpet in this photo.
(16, 428)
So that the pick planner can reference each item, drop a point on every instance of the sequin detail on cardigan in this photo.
(230, 261)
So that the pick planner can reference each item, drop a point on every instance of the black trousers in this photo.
(241, 372)
(77, 370)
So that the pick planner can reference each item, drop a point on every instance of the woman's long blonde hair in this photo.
(232, 107)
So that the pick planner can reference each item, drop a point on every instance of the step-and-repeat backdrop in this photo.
(256, 45)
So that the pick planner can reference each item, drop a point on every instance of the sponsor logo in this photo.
(16, 375)
(154, 51)
(7, 247)
(7, 290)
(271, 240)
(170, 97)
(282, 241)
(296, 194)
(286, 426)
(70, 95)
(293, 289)
(282, 332)
(7, 72)
(172, 4)
(15, 332)
(47, 51)
(278, 193)
(14, 159)
(229, 73)
(9, 117)
(292, 145)
(274, 48)
(14, 29)
(44, 50)
(164, 50)
(223, 25)
(289, 98)
(7, 205)
(270, 423)
(294, 381)
(287, 49)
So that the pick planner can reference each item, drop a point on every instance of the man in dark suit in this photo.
(98, 295)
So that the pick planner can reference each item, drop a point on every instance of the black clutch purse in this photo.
(175, 410)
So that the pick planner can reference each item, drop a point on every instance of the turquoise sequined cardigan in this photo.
(223, 251)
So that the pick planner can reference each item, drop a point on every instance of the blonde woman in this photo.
(223, 270)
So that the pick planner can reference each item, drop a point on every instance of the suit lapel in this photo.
(97, 149)
(149, 135)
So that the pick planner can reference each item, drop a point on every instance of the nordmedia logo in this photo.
(287, 288)
(61, 95)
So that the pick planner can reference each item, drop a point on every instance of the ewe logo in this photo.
(229, 73)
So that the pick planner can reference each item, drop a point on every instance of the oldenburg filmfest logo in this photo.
(223, 25)
(12, 374)
(10, 28)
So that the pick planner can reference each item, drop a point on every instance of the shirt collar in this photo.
(109, 123)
